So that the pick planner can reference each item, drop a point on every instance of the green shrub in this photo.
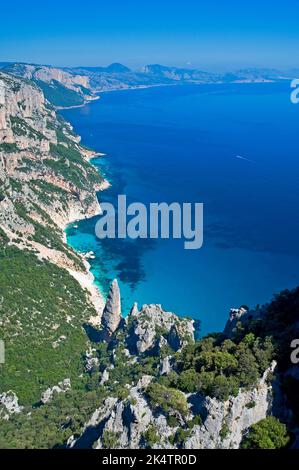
(251, 404)
(59, 95)
(151, 436)
(8, 148)
(224, 431)
(172, 421)
(196, 421)
(168, 399)
(110, 439)
(181, 436)
(269, 433)
(188, 381)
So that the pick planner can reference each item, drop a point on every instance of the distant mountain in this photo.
(73, 86)
(179, 74)
(199, 76)
(116, 77)
(263, 74)
(112, 68)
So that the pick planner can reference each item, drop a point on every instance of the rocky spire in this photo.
(134, 310)
(112, 311)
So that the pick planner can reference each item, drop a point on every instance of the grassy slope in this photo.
(39, 304)
(59, 95)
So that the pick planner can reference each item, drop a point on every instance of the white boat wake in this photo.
(243, 158)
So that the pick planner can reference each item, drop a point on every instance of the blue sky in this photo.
(219, 34)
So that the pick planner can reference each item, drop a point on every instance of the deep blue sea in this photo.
(183, 143)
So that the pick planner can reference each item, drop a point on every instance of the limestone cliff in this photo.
(46, 180)
(131, 422)
(62, 87)
(223, 422)
(146, 327)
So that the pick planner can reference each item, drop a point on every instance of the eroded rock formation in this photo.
(112, 312)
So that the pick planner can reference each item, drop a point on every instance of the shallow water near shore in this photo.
(232, 147)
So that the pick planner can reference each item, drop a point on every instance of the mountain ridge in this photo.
(74, 86)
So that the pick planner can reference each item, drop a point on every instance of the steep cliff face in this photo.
(226, 421)
(152, 407)
(223, 423)
(47, 74)
(47, 291)
(23, 115)
(46, 180)
(60, 86)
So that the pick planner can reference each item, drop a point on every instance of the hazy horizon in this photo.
(195, 34)
(212, 68)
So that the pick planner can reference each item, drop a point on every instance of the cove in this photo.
(232, 147)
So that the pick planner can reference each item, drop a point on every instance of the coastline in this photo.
(136, 87)
(86, 279)
(61, 108)
(178, 83)
(93, 157)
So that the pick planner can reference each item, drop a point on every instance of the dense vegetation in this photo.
(280, 321)
(215, 366)
(42, 312)
(68, 163)
(220, 367)
(269, 433)
(167, 399)
(8, 148)
(51, 425)
(59, 95)
(21, 127)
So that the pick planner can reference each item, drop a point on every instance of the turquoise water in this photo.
(181, 144)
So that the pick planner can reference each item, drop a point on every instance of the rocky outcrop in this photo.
(128, 420)
(23, 115)
(111, 317)
(79, 83)
(226, 422)
(105, 377)
(165, 366)
(91, 361)
(92, 428)
(136, 421)
(62, 387)
(9, 404)
(240, 315)
(146, 328)
(223, 423)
